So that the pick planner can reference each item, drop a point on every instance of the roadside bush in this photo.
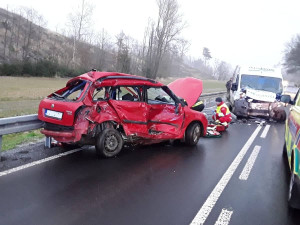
(41, 68)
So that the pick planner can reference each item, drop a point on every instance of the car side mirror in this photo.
(183, 102)
(286, 99)
(234, 87)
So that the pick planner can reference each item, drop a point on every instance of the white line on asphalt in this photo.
(224, 217)
(210, 202)
(210, 107)
(265, 132)
(6, 172)
(248, 167)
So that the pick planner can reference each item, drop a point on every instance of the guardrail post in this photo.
(0, 146)
(48, 142)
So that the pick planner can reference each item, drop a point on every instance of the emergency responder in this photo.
(222, 113)
(198, 106)
(228, 87)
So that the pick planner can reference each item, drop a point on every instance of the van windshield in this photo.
(271, 84)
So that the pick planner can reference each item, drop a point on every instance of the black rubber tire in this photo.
(109, 143)
(284, 151)
(192, 134)
(293, 194)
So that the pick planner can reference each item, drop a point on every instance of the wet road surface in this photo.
(158, 184)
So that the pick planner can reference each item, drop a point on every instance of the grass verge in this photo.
(10, 141)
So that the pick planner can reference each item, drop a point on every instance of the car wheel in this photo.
(284, 151)
(109, 143)
(193, 134)
(293, 197)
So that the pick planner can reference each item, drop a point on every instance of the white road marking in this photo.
(210, 107)
(224, 217)
(210, 202)
(248, 167)
(6, 172)
(265, 132)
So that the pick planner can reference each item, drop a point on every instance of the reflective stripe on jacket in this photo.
(218, 110)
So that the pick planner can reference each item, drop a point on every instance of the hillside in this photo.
(27, 47)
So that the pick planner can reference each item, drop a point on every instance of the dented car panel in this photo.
(108, 109)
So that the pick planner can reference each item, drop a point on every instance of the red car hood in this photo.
(188, 88)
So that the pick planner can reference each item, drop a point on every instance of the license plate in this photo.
(53, 114)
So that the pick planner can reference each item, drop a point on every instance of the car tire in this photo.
(109, 143)
(193, 133)
(284, 151)
(293, 196)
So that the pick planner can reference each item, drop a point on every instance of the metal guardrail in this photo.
(18, 124)
(210, 97)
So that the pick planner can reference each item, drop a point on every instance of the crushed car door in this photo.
(128, 101)
(165, 115)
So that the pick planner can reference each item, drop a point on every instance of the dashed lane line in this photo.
(6, 172)
(265, 132)
(210, 202)
(249, 165)
(224, 217)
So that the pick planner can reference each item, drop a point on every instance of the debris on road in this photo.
(212, 133)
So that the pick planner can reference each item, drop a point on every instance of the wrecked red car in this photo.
(108, 109)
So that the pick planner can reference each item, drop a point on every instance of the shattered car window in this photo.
(100, 94)
(71, 93)
(157, 95)
(127, 93)
(271, 84)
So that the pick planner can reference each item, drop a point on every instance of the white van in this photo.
(255, 90)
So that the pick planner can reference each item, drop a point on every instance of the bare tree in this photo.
(183, 47)
(79, 23)
(7, 27)
(216, 64)
(30, 18)
(206, 55)
(42, 23)
(123, 58)
(223, 70)
(292, 55)
(168, 26)
(103, 45)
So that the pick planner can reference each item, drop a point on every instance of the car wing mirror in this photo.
(286, 99)
(183, 102)
(234, 87)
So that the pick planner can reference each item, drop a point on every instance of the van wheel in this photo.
(293, 193)
(109, 143)
(284, 151)
(192, 134)
(293, 198)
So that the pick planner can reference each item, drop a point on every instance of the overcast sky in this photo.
(252, 32)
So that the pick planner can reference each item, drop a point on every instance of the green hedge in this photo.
(41, 68)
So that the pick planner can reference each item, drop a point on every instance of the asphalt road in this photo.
(158, 184)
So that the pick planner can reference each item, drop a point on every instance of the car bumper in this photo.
(244, 108)
(60, 136)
